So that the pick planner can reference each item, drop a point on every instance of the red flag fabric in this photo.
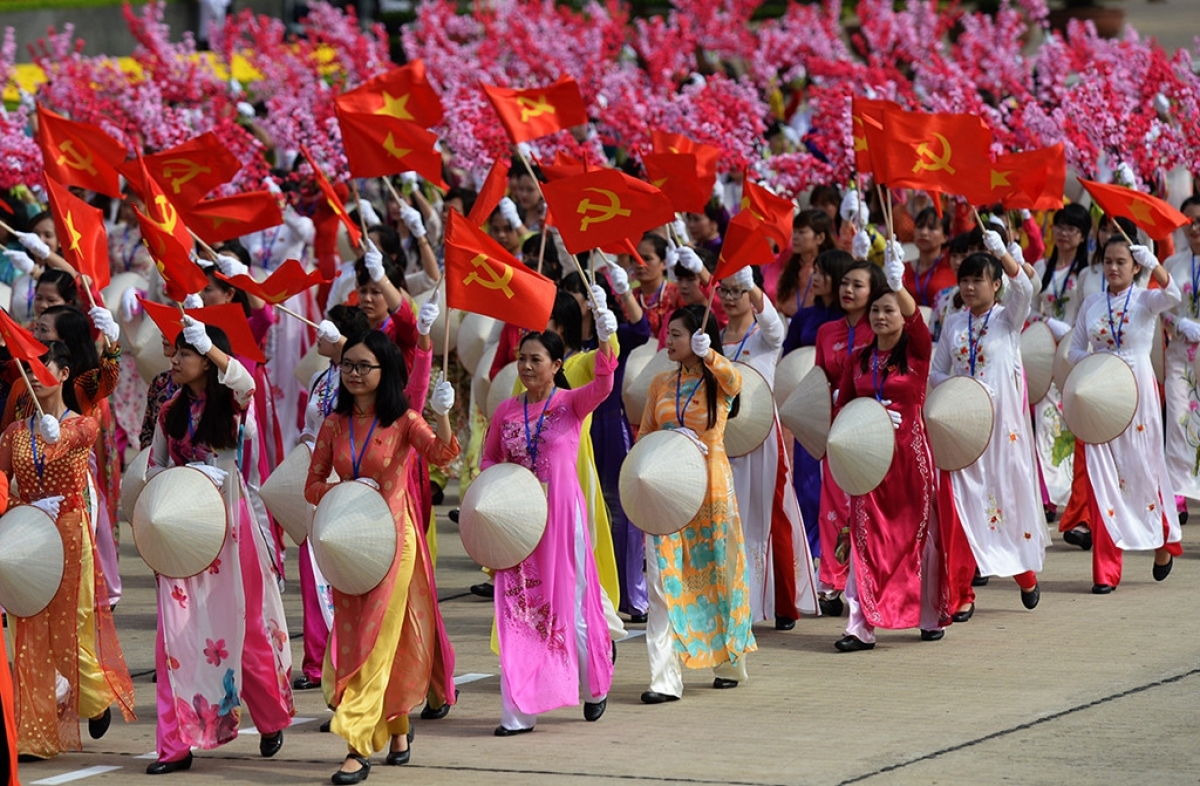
(945, 152)
(626, 246)
(774, 211)
(225, 218)
(1152, 215)
(79, 154)
(181, 276)
(604, 206)
(1033, 180)
(866, 116)
(403, 93)
(187, 172)
(494, 187)
(229, 317)
(677, 175)
(563, 166)
(23, 346)
(331, 199)
(287, 280)
(536, 112)
(706, 155)
(745, 243)
(80, 229)
(156, 205)
(483, 278)
(380, 146)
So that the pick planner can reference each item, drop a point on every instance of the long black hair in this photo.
(74, 330)
(555, 348)
(390, 401)
(691, 317)
(218, 426)
(820, 223)
(898, 358)
(1072, 215)
(834, 264)
(239, 296)
(59, 354)
(568, 317)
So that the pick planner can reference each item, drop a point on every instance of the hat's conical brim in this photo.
(958, 420)
(1037, 358)
(133, 480)
(637, 391)
(503, 516)
(1062, 365)
(283, 494)
(309, 365)
(860, 447)
(474, 333)
(663, 482)
(808, 412)
(179, 522)
(501, 389)
(354, 538)
(1100, 398)
(756, 414)
(31, 561)
(791, 369)
(481, 383)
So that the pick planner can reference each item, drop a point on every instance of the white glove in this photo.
(194, 334)
(1015, 251)
(373, 258)
(270, 184)
(619, 279)
(1144, 257)
(48, 426)
(245, 109)
(193, 301)
(328, 332)
(854, 209)
(687, 432)
(20, 260)
(1025, 214)
(993, 243)
(215, 474)
(367, 211)
(130, 307)
(204, 263)
(893, 252)
(368, 482)
(606, 325)
(442, 399)
(408, 179)
(690, 259)
(34, 245)
(701, 344)
(861, 247)
(897, 419)
(599, 298)
(412, 219)
(672, 258)
(231, 266)
(1189, 329)
(680, 227)
(1058, 327)
(508, 209)
(50, 505)
(427, 316)
(743, 279)
(102, 318)
(893, 271)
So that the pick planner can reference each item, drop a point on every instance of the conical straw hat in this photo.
(446, 316)
(636, 391)
(31, 560)
(21, 298)
(1100, 398)
(133, 480)
(664, 480)
(474, 333)
(5, 296)
(958, 420)
(860, 446)
(354, 537)
(808, 412)
(1037, 357)
(480, 382)
(283, 494)
(503, 516)
(791, 369)
(1062, 364)
(148, 353)
(310, 364)
(756, 414)
(501, 389)
(116, 288)
(1158, 351)
(926, 314)
(635, 364)
(179, 522)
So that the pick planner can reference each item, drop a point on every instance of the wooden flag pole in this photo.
(294, 315)
(446, 329)
(29, 385)
(362, 220)
(542, 250)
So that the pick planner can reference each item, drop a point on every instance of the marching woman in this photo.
(657, 296)
(699, 589)
(931, 272)
(812, 235)
(376, 674)
(994, 519)
(72, 643)
(1182, 421)
(552, 660)
(1130, 491)
(222, 637)
(894, 577)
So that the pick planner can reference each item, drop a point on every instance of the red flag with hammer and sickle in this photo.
(483, 278)
(942, 152)
(604, 206)
(403, 93)
(156, 205)
(332, 199)
(564, 165)
(229, 317)
(866, 117)
(79, 154)
(181, 276)
(23, 346)
(745, 244)
(187, 172)
(490, 194)
(80, 229)
(1152, 215)
(1032, 180)
(381, 146)
(224, 218)
(287, 280)
(536, 112)
(775, 212)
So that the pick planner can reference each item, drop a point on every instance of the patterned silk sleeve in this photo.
(100, 382)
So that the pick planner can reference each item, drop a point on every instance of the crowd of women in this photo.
(774, 539)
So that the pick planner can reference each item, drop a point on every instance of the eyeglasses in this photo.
(1064, 229)
(361, 369)
(725, 292)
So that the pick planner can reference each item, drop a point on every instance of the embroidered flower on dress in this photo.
(215, 652)
(179, 596)
(995, 514)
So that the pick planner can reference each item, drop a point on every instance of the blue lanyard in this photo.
(326, 404)
(742, 345)
(974, 341)
(1060, 291)
(356, 461)
(1118, 328)
(849, 338)
(802, 299)
(532, 441)
(657, 296)
(265, 253)
(39, 462)
(1195, 284)
(876, 382)
(30, 291)
(679, 413)
(923, 287)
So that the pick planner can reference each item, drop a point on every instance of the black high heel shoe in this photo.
(165, 767)
(358, 776)
(397, 758)
(268, 746)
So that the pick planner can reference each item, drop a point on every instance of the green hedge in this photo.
(46, 5)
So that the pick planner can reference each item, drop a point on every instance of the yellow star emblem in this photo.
(389, 145)
(1141, 213)
(395, 107)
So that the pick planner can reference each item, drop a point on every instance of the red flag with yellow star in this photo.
(181, 276)
(1152, 215)
(225, 218)
(381, 146)
(79, 154)
(1032, 180)
(866, 117)
(80, 229)
(229, 317)
(941, 151)
(775, 212)
(287, 280)
(403, 93)
(706, 155)
(187, 172)
(538, 111)
(331, 199)
(677, 175)
(745, 244)
(23, 346)
(604, 206)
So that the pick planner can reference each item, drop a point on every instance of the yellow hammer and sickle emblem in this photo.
(604, 212)
(395, 107)
(389, 145)
(76, 236)
(182, 170)
(928, 160)
(74, 159)
(494, 280)
(169, 216)
(531, 109)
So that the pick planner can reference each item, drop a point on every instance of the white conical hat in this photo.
(5, 297)
(354, 537)
(791, 369)
(31, 560)
(148, 353)
(116, 289)
(503, 516)
(808, 412)
(481, 384)
(1158, 351)
(636, 391)
(179, 522)
(635, 364)
(21, 301)
(310, 364)
(1037, 357)
(663, 482)
(958, 419)
(283, 494)
(446, 316)
(501, 388)
(1062, 364)
(1100, 398)
(860, 447)
(133, 480)
(474, 334)
(756, 413)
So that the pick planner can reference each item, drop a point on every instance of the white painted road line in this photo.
(68, 777)
(150, 755)
(633, 634)
(295, 722)
(464, 679)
